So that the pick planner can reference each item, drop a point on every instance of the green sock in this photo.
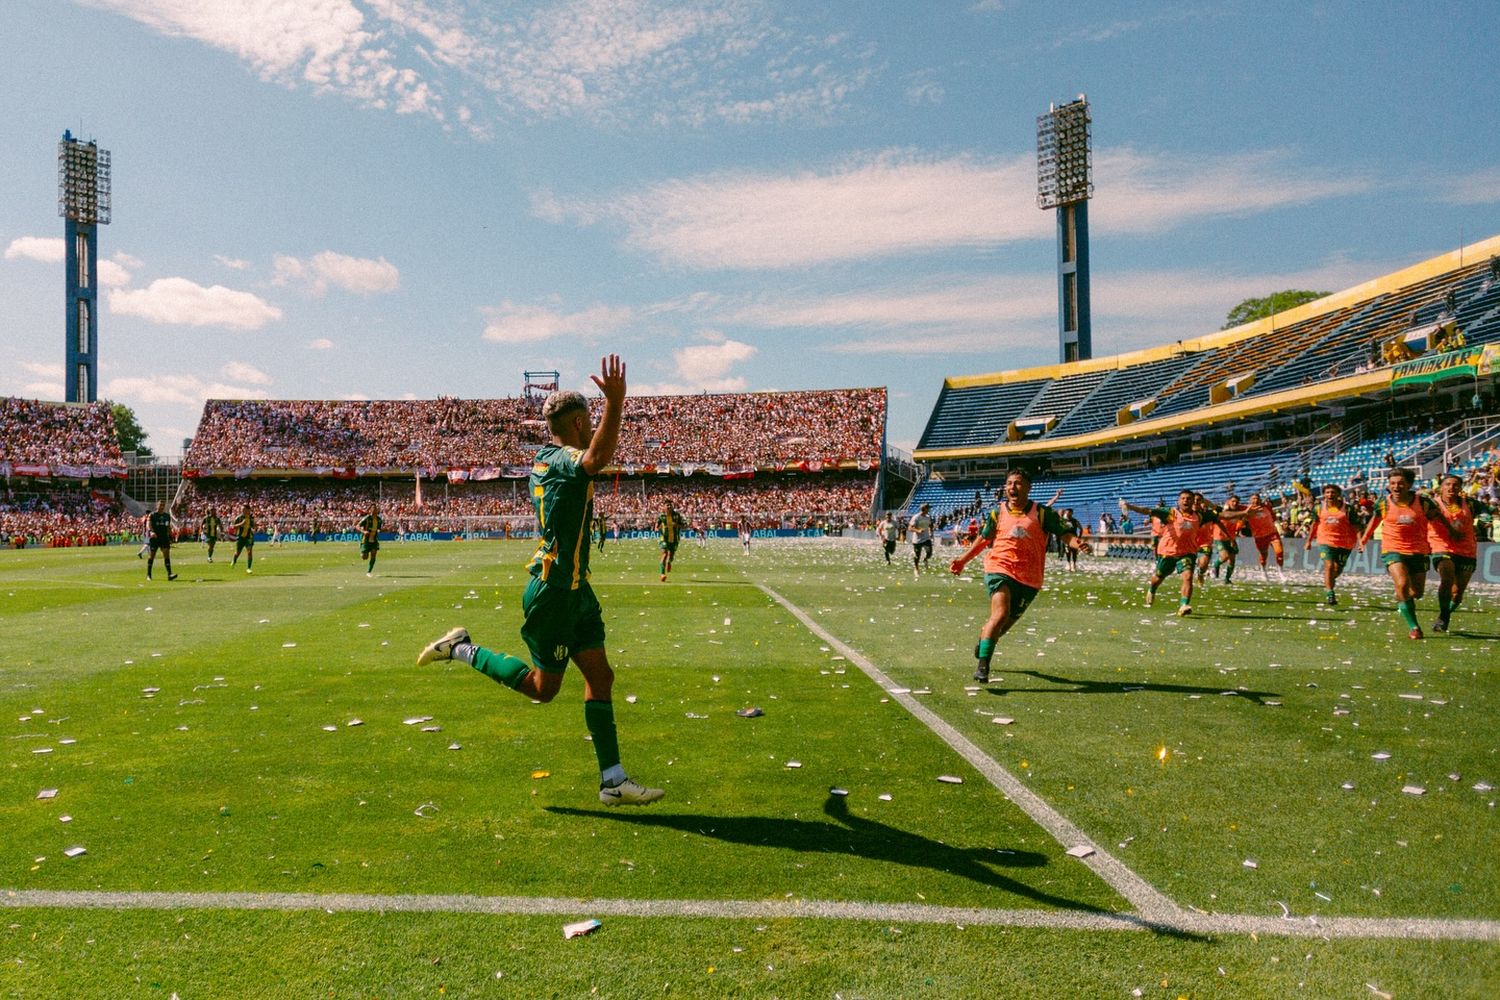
(371, 567)
(1182, 602)
(1408, 612)
(1445, 605)
(1228, 571)
(500, 667)
(1330, 594)
(599, 717)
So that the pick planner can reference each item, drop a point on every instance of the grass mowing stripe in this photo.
(736, 909)
(1151, 903)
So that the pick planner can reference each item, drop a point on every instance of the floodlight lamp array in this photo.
(83, 182)
(1064, 165)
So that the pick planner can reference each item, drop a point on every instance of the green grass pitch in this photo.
(199, 737)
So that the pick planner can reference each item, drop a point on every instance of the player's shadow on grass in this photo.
(854, 835)
(1118, 687)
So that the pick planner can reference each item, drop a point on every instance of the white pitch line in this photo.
(750, 909)
(1151, 904)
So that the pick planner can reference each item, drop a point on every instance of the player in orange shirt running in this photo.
(1336, 537)
(1455, 548)
(1402, 517)
(1226, 546)
(1014, 542)
(1181, 537)
(1261, 517)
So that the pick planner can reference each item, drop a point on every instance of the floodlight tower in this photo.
(83, 200)
(1065, 181)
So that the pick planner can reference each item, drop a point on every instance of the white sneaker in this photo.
(629, 793)
(1280, 575)
(1184, 610)
(1150, 598)
(442, 649)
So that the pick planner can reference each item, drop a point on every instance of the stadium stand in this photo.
(759, 430)
(1357, 332)
(58, 439)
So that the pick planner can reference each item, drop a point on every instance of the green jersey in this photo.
(563, 495)
(212, 526)
(669, 524)
(370, 526)
(244, 527)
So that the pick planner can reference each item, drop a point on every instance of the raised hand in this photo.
(611, 379)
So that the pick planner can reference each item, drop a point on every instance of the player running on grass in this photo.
(1334, 531)
(244, 539)
(369, 537)
(1226, 546)
(563, 619)
(159, 526)
(1014, 542)
(1402, 517)
(669, 526)
(920, 534)
(1263, 530)
(212, 525)
(1179, 541)
(1455, 548)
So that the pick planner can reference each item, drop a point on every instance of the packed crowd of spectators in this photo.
(329, 505)
(36, 433)
(731, 429)
(61, 516)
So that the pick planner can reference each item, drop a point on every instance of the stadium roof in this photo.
(1028, 385)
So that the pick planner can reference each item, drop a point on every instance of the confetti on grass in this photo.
(1080, 851)
(580, 928)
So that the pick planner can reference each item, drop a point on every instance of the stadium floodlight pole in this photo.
(83, 200)
(1065, 181)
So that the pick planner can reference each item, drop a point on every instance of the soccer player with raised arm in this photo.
(1334, 531)
(1013, 539)
(1177, 546)
(244, 539)
(1455, 547)
(1402, 516)
(159, 526)
(369, 537)
(563, 619)
(669, 526)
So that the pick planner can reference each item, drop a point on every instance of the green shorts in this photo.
(1172, 565)
(560, 622)
(1413, 563)
(367, 547)
(671, 548)
(1333, 554)
(1460, 563)
(1021, 595)
(1227, 547)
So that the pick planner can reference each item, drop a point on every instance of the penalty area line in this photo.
(1148, 901)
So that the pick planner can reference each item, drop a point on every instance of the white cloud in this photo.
(359, 275)
(923, 88)
(325, 44)
(187, 390)
(126, 261)
(596, 58)
(180, 302)
(1482, 187)
(511, 323)
(899, 202)
(964, 304)
(321, 344)
(703, 368)
(45, 249)
(45, 380)
(112, 275)
(239, 371)
(233, 263)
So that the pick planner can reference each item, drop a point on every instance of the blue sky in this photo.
(383, 198)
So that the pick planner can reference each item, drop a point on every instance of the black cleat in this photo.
(1441, 625)
(171, 576)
